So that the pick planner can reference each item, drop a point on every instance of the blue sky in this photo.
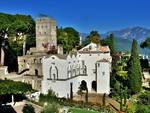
(85, 15)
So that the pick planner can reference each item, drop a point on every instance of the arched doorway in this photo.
(94, 86)
(83, 85)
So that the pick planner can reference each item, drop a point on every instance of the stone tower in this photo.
(45, 34)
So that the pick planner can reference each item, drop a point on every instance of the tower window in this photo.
(103, 73)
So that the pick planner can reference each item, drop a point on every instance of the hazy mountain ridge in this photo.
(124, 45)
(138, 33)
(124, 37)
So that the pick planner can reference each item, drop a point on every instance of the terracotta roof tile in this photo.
(104, 49)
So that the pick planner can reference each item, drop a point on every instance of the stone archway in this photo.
(83, 83)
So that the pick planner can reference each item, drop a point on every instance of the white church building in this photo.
(64, 73)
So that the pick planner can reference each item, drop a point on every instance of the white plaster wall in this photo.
(62, 88)
(59, 63)
(103, 81)
(90, 61)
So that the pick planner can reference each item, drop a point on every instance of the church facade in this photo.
(91, 65)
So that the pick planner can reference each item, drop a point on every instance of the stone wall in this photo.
(3, 70)
(45, 33)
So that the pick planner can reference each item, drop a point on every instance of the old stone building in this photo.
(30, 65)
(45, 34)
(61, 72)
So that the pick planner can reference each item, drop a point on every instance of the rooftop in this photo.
(92, 47)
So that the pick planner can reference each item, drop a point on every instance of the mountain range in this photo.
(138, 33)
(124, 37)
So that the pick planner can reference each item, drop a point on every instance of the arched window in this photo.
(36, 72)
(85, 70)
(53, 72)
(74, 72)
(70, 71)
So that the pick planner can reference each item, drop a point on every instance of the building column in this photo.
(24, 45)
(2, 57)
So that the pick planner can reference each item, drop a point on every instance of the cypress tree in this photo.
(134, 70)
(111, 43)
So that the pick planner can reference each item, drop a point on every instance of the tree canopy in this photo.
(11, 87)
(109, 41)
(15, 25)
(94, 37)
(68, 37)
(146, 43)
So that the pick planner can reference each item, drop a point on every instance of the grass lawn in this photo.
(78, 110)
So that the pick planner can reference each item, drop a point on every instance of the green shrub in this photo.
(51, 93)
(142, 109)
(51, 108)
(50, 97)
(28, 108)
(144, 98)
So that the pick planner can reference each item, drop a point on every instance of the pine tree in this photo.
(134, 70)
